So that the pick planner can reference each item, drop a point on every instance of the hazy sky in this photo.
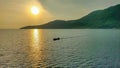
(16, 13)
(73, 9)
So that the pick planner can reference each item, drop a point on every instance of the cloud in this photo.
(63, 8)
(75, 8)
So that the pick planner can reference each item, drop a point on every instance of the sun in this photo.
(35, 10)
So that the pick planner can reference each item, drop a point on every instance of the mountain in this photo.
(107, 18)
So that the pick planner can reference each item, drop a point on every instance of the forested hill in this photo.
(107, 18)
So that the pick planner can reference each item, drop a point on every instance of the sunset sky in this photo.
(18, 13)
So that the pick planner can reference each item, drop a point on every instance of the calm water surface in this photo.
(79, 48)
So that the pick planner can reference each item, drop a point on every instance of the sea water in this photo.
(77, 48)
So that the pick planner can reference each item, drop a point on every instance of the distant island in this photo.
(101, 19)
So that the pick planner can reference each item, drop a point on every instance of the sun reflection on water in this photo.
(35, 47)
(36, 35)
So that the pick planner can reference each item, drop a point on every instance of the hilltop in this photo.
(106, 18)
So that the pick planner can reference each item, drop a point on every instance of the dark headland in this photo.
(104, 19)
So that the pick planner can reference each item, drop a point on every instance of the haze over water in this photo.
(79, 48)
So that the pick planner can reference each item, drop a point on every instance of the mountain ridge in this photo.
(106, 18)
